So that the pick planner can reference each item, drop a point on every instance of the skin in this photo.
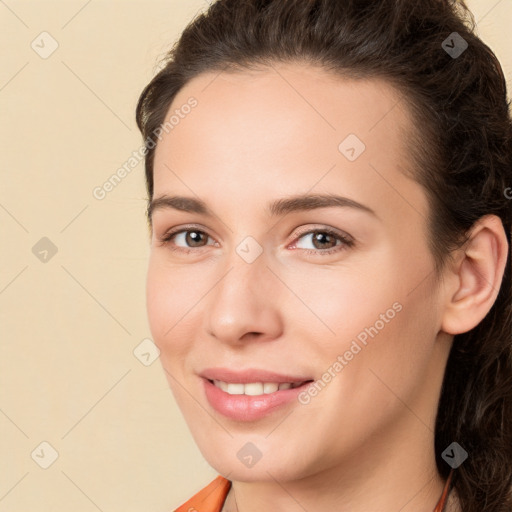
(366, 441)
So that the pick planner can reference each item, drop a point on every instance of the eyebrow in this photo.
(275, 208)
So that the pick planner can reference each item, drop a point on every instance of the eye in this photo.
(185, 239)
(324, 241)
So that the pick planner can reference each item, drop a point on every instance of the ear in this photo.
(473, 281)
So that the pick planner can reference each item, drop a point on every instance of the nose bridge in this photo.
(245, 266)
(237, 289)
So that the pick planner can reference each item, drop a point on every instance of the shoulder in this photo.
(211, 497)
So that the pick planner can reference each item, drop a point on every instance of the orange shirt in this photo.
(211, 498)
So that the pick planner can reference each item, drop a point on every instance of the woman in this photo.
(329, 281)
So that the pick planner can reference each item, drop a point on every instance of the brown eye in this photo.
(323, 241)
(185, 239)
(194, 238)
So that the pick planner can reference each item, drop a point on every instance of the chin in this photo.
(232, 460)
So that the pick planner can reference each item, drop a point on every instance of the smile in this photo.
(251, 395)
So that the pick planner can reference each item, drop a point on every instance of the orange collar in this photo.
(209, 499)
(442, 501)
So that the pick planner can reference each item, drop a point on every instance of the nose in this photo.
(244, 304)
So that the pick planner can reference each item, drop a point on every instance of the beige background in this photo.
(70, 324)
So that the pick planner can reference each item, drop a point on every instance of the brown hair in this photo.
(461, 147)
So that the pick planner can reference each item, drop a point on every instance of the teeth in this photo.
(270, 387)
(254, 388)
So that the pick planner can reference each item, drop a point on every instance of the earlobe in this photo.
(477, 276)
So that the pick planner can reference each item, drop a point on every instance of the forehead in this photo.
(286, 127)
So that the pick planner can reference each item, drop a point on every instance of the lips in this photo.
(233, 393)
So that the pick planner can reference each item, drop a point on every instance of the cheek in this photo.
(374, 314)
(167, 304)
(339, 304)
(157, 297)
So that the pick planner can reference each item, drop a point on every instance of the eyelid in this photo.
(326, 229)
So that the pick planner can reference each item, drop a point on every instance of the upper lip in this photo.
(250, 375)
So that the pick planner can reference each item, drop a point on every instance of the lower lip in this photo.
(246, 407)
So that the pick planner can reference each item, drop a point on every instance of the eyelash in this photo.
(346, 241)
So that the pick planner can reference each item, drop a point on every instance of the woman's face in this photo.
(339, 292)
